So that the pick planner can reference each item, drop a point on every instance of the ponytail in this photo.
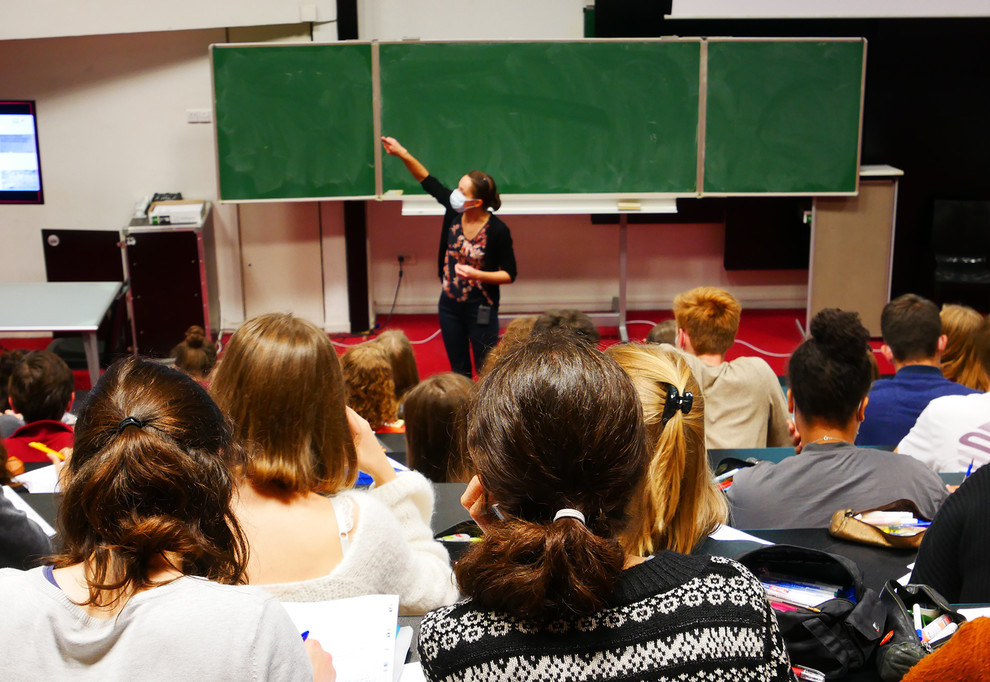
(534, 571)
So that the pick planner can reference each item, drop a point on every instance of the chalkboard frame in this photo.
(563, 201)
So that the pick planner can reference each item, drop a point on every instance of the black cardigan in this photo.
(955, 553)
(498, 255)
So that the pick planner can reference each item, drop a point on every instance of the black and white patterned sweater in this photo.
(675, 617)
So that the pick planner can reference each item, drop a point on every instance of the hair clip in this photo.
(675, 402)
(129, 421)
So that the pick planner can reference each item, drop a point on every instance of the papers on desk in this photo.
(413, 672)
(360, 634)
(905, 579)
(972, 613)
(41, 480)
(19, 503)
(729, 533)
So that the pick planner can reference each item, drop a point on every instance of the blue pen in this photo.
(969, 470)
(305, 635)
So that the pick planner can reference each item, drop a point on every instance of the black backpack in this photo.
(840, 637)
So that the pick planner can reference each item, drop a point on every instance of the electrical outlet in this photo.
(405, 259)
(199, 115)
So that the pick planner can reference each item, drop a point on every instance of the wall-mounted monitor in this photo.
(20, 160)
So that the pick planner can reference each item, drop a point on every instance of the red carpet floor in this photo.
(769, 334)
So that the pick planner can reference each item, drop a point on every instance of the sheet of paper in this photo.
(730, 533)
(359, 633)
(398, 466)
(19, 502)
(403, 638)
(41, 480)
(413, 672)
(905, 579)
(969, 613)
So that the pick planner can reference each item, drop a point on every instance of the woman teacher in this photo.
(475, 257)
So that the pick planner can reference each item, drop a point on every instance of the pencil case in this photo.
(837, 636)
(845, 526)
(904, 649)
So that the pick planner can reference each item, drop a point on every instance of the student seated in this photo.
(195, 355)
(829, 378)
(41, 391)
(311, 538)
(665, 332)
(434, 419)
(516, 333)
(146, 583)
(370, 387)
(955, 551)
(913, 342)
(398, 348)
(22, 542)
(557, 439)
(9, 420)
(573, 321)
(744, 404)
(960, 363)
(953, 432)
(680, 504)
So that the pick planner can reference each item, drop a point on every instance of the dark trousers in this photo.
(463, 336)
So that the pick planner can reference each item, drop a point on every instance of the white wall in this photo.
(51, 18)
(567, 261)
(723, 9)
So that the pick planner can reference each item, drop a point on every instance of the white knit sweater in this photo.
(391, 551)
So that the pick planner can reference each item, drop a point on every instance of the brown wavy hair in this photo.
(162, 483)
(195, 355)
(400, 354)
(556, 425)
(280, 381)
(960, 362)
(370, 387)
(681, 504)
(516, 333)
(433, 412)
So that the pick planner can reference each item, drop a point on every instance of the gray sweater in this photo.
(189, 629)
(22, 542)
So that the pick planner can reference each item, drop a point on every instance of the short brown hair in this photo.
(516, 333)
(400, 354)
(150, 472)
(911, 327)
(680, 504)
(280, 381)
(573, 321)
(41, 386)
(665, 332)
(8, 361)
(556, 425)
(710, 316)
(370, 387)
(195, 355)
(433, 412)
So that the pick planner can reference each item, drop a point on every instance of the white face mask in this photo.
(457, 200)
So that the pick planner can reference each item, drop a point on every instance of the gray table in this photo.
(59, 307)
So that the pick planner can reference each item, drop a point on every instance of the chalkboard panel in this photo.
(546, 118)
(294, 121)
(783, 116)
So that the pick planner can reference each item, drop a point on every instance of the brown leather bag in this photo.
(845, 527)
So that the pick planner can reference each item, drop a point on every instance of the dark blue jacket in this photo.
(896, 403)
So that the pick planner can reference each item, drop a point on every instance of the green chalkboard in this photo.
(783, 116)
(545, 118)
(294, 121)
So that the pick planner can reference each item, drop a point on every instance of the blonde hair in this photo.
(710, 316)
(960, 363)
(400, 354)
(679, 504)
(370, 386)
(280, 381)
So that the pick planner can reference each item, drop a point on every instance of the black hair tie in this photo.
(674, 403)
(129, 421)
